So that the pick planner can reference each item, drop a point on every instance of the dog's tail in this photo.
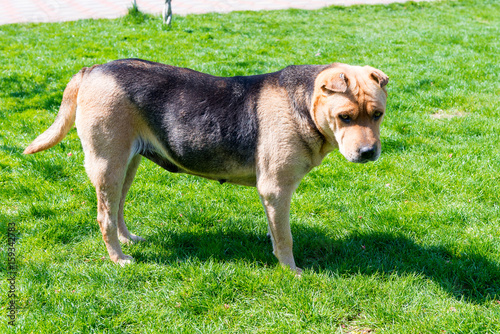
(64, 120)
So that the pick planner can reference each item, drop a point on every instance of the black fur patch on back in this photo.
(207, 124)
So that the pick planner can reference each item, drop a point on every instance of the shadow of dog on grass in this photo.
(469, 276)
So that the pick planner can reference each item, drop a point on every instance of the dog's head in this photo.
(348, 106)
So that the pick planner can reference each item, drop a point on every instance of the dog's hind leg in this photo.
(123, 234)
(108, 177)
(107, 162)
(108, 124)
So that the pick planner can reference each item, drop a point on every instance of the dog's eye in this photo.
(377, 115)
(345, 118)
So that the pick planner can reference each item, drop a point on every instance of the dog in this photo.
(266, 131)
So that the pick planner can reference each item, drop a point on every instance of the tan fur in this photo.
(65, 118)
(360, 99)
(111, 130)
(282, 160)
(287, 151)
(104, 122)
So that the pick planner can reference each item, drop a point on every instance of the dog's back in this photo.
(200, 119)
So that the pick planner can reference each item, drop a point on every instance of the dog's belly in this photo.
(214, 169)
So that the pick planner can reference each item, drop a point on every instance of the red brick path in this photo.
(18, 11)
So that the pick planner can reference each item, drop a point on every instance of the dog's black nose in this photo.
(368, 152)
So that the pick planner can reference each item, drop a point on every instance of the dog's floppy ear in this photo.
(335, 84)
(380, 77)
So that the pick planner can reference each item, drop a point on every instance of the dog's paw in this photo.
(298, 272)
(136, 238)
(125, 261)
(132, 239)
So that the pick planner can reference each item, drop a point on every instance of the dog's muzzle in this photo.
(367, 153)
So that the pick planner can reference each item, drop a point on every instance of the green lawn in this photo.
(408, 244)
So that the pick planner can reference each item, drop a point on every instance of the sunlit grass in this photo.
(408, 244)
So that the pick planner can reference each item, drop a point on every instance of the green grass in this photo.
(408, 244)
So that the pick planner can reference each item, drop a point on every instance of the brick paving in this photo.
(19, 11)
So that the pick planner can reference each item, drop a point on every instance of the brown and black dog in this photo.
(265, 130)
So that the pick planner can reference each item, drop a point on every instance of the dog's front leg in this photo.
(276, 198)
